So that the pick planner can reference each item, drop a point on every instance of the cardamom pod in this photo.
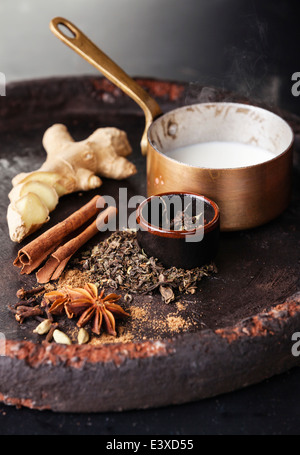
(167, 293)
(60, 337)
(43, 327)
(83, 336)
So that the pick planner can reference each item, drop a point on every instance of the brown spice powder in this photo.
(180, 306)
(74, 278)
(177, 324)
(138, 313)
(122, 337)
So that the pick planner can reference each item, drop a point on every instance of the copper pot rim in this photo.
(141, 221)
(212, 169)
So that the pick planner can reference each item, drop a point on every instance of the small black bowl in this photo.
(173, 242)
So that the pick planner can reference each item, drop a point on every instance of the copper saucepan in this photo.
(248, 196)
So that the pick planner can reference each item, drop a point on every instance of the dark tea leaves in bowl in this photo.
(177, 212)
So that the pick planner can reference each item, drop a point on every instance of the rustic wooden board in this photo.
(245, 315)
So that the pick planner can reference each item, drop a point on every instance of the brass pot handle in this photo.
(90, 52)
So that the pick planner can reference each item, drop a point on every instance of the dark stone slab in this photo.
(246, 313)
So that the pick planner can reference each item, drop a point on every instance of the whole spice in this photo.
(70, 166)
(23, 293)
(53, 327)
(60, 337)
(88, 304)
(58, 260)
(32, 255)
(167, 293)
(43, 327)
(45, 304)
(58, 300)
(23, 312)
(30, 302)
(83, 336)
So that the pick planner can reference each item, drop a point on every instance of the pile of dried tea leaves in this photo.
(119, 263)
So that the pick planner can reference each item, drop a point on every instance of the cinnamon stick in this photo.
(58, 260)
(32, 255)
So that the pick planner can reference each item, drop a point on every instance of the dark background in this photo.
(250, 47)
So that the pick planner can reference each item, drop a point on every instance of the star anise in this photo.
(87, 303)
(58, 300)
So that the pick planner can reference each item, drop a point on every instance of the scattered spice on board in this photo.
(119, 263)
(177, 323)
(147, 324)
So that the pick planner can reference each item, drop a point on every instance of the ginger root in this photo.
(70, 166)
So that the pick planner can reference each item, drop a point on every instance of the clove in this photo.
(50, 333)
(23, 293)
(45, 304)
(24, 312)
(29, 302)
